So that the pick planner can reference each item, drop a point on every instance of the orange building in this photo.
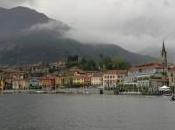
(87, 80)
(47, 82)
(58, 81)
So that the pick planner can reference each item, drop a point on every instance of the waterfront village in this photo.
(138, 79)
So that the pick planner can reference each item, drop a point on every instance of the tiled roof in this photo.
(172, 69)
(152, 65)
(116, 72)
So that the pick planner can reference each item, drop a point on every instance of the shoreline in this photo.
(74, 91)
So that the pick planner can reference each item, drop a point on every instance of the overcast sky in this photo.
(133, 24)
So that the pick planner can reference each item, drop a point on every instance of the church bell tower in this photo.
(164, 64)
(164, 56)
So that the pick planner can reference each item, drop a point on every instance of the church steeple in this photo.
(164, 55)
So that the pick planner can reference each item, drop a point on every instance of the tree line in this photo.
(103, 63)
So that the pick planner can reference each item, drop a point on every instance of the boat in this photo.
(165, 91)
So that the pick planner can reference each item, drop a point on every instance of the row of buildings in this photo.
(149, 76)
(12, 79)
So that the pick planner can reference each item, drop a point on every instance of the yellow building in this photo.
(66, 81)
(78, 81)
(2, 84)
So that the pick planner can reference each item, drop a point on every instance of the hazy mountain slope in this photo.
(35, 48)
(17, 20)
(23, 41)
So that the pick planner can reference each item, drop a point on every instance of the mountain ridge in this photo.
(48, 44)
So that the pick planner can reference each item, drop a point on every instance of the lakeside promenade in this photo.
(59, 91)
(84, 91)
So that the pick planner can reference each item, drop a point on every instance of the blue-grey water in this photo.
(91, 112)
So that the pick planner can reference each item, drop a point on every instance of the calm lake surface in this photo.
(89, 112)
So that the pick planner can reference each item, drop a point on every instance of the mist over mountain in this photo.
(156, 53)
(27, 36)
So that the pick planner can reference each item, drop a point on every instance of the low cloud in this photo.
(13, 3)
(52, 26)
(133, 24)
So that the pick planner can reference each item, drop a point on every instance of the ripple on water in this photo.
(78, 112)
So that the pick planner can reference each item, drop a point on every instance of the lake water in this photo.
(88, 112)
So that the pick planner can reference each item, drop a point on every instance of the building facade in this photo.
(96, 80)
(112, 78)
(148, 76)
(47, 82)
(171, 76)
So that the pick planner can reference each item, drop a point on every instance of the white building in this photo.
(96, 80)
(146, 75)
(20, 84)
(171, 76)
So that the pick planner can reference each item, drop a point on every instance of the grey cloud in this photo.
(56, 26)
(166, 3)
(12, 3)
(133, 24)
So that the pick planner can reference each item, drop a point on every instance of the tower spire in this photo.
(164, 55)
(164, 62)
(163, 49)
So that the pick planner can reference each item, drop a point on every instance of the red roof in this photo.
(172, 69)
(152, 65)
(116, 72)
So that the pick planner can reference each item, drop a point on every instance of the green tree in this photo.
(88, 64)
(92, 65)
(120, 64)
